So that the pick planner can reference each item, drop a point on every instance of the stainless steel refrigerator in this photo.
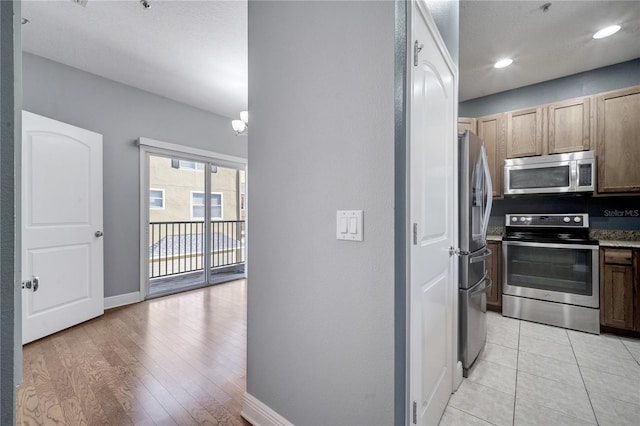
(474, 282)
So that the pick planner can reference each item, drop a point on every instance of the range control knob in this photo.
(522, 219)
(514, 219)
(567, 219)
(577, 219)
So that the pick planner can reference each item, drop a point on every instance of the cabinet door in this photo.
(494, 268)
(524, 133)
(636, 286)
(618, 140)
(465, 123)
(491, 129)
(569, 126)
(616, 295)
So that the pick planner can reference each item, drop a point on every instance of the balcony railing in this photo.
(178, 247)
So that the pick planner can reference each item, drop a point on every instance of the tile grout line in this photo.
(595, 416)
(629, 350)
(472, 415)
(515, 392)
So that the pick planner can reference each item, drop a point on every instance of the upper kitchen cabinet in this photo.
(569, 125)
(491, 129)
(465, 123)
(618, 140)
(525, 132)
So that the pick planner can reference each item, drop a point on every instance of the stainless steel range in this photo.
(551, 271)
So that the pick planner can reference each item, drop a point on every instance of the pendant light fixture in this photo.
(241, 127)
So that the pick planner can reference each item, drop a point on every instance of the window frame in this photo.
(162, 191)
(195, 168)
(192, 205)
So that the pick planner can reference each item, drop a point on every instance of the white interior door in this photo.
(62, 262)
(433, 279)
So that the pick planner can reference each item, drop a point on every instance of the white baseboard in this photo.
(122, 299)
(457, 379)
(259, 414)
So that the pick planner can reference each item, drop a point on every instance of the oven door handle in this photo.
(486, 253)
(487, 279)
(593, 247)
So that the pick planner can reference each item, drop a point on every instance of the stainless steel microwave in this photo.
(574, 172)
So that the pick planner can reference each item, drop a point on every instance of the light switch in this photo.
(353, 225)
(349, 225)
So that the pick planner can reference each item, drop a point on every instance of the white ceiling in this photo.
(195, 52)
(543, 45)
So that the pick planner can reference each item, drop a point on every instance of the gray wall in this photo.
(601, 209)
(586, 83)
(121, 114)
(321, 311)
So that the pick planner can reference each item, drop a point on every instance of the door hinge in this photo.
(457, 252)
(415, 413)
(415, 234)
(417, 47)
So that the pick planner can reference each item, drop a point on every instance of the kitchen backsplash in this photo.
(606, 213)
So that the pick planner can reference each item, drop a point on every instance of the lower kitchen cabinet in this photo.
(494, 268)
(619, 292)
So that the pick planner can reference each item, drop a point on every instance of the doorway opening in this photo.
(194, 223)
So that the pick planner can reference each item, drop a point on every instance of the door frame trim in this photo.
(401, 318)
(152, 146)
(433, 29)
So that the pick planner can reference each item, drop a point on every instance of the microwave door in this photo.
(539, 179)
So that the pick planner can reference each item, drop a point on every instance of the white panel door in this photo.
(61, 226)
(432, 217)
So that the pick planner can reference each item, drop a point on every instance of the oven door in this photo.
(564, 273)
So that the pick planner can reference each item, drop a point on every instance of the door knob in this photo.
(99, 234)
(32, 283)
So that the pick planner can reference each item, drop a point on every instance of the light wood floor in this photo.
(179, 359)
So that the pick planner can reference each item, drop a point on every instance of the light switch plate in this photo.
(345, 225)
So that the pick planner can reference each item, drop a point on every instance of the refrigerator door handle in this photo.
(486, 287)
(483, 256)
(488, 193)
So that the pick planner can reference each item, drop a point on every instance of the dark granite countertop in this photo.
(606, 237)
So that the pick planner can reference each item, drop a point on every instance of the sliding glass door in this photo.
(196, 223)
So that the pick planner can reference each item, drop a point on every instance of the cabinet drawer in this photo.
(618, 256)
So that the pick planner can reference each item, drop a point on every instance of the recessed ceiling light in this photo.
(503, 63)
(606, 32)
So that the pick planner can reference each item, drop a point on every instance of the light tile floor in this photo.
(534, 374)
